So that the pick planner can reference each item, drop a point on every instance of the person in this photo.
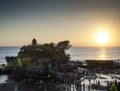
(16, 88)
(98, 82)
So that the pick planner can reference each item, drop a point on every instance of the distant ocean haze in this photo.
(94, 53)
(76, 53)
(8, 51)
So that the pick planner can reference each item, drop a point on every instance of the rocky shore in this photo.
(81, 79)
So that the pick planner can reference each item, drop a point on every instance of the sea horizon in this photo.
(76, 53)
(68, 49)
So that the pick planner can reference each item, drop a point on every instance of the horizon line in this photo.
(71, 46)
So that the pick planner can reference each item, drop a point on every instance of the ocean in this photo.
(94, 53)
(8, 51)
(76, 53)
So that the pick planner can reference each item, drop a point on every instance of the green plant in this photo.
(113, 88)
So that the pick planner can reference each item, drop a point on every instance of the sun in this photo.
(102, 37)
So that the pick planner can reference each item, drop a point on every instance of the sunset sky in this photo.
(79, 21)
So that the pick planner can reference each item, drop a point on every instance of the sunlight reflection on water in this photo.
(94, 53)
(102, 55)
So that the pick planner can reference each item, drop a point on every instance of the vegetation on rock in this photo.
(30, 54)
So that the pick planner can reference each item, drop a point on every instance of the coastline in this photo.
(96, 75)
(90, 79)
(11, 85)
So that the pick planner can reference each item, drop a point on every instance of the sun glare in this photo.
(102, 37)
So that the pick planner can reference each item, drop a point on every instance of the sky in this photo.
(78, 21)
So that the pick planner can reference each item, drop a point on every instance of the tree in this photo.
(63, 45)
(55, 52)
(11, 62)
(59, 54)
(113, 88)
